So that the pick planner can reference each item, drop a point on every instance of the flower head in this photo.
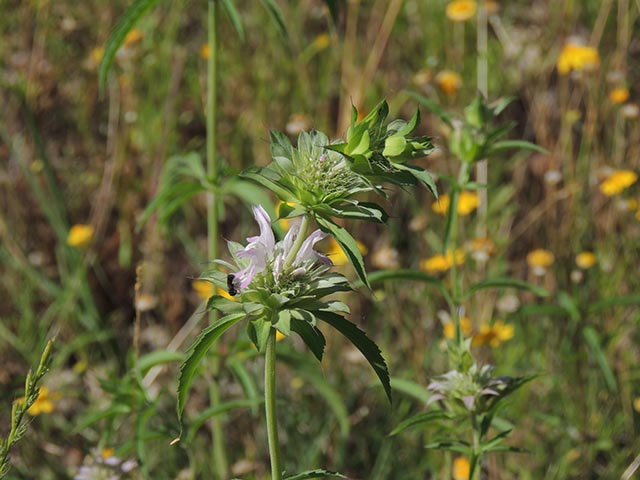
(467, 202)
(619, 95)
(617, 182)
(586, 260)
(461, 10)
(493, 335)
(267, 264)
(577, 58)
(539, 260)
(461, 468)
(441, 263)
(80, 235)
(449, 82)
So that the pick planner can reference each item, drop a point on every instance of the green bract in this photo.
(381, 152)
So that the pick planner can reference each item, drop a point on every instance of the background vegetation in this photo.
(71, 156)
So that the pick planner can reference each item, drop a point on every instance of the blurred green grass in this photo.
(71, 156)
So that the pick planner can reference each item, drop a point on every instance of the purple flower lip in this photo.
(264, 253)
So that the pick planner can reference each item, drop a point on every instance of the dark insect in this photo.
(231, 288)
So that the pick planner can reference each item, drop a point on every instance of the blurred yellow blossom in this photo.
(636, 404)
(107, 453)
(467, 202)
(586, 260)
(80, 235)
(481, 248)
(493, 335)
(449, 82)
(577, 57)
(43, 404)
(134, 36)
(205, 51)
(449, 328)
(461, 468)
(461, 10)
(441, 263)
(337, 256)
(618, 181)
(539, 259)
(322, 41)
(280, 336)
(619, 95)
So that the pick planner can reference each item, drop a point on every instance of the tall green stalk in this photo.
(270, 405)
(220, 463)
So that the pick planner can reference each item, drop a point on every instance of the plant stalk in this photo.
(270, 405)
(220, 466)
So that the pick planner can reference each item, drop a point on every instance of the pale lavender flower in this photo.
(268, 259)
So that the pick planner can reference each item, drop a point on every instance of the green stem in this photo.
(270, 405)
(302, 233)
(219, 453)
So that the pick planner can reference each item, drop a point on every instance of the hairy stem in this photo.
(220, 464)
(270, 405)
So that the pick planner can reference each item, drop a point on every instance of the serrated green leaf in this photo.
(258, 176)
(419, 419)
(283, 324)
(234, 17)
(128, 20)
(223, 305)
(196, 352)
(318, 473)
(312, 337)
(360, 340)
(420, 174)
(348, 245)
(505, 282)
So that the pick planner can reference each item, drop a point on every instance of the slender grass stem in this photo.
(270, 405)
(219, 453)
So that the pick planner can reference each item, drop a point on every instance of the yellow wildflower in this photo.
(617, 182)
(280, 336)
(449, 82)
(619, 95)
(322, 41)
(43, 404)
(539, 259)
(450, 329)
(80, 235)
(467, 202)
(133, 37)
(337, 256)
(493, 335)
(107, 453)
(636, 404)
(461, 468)
(578, 58)
(586, 260)
(482, 248)
(205, 51)
(461, 10)
(441, 263)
